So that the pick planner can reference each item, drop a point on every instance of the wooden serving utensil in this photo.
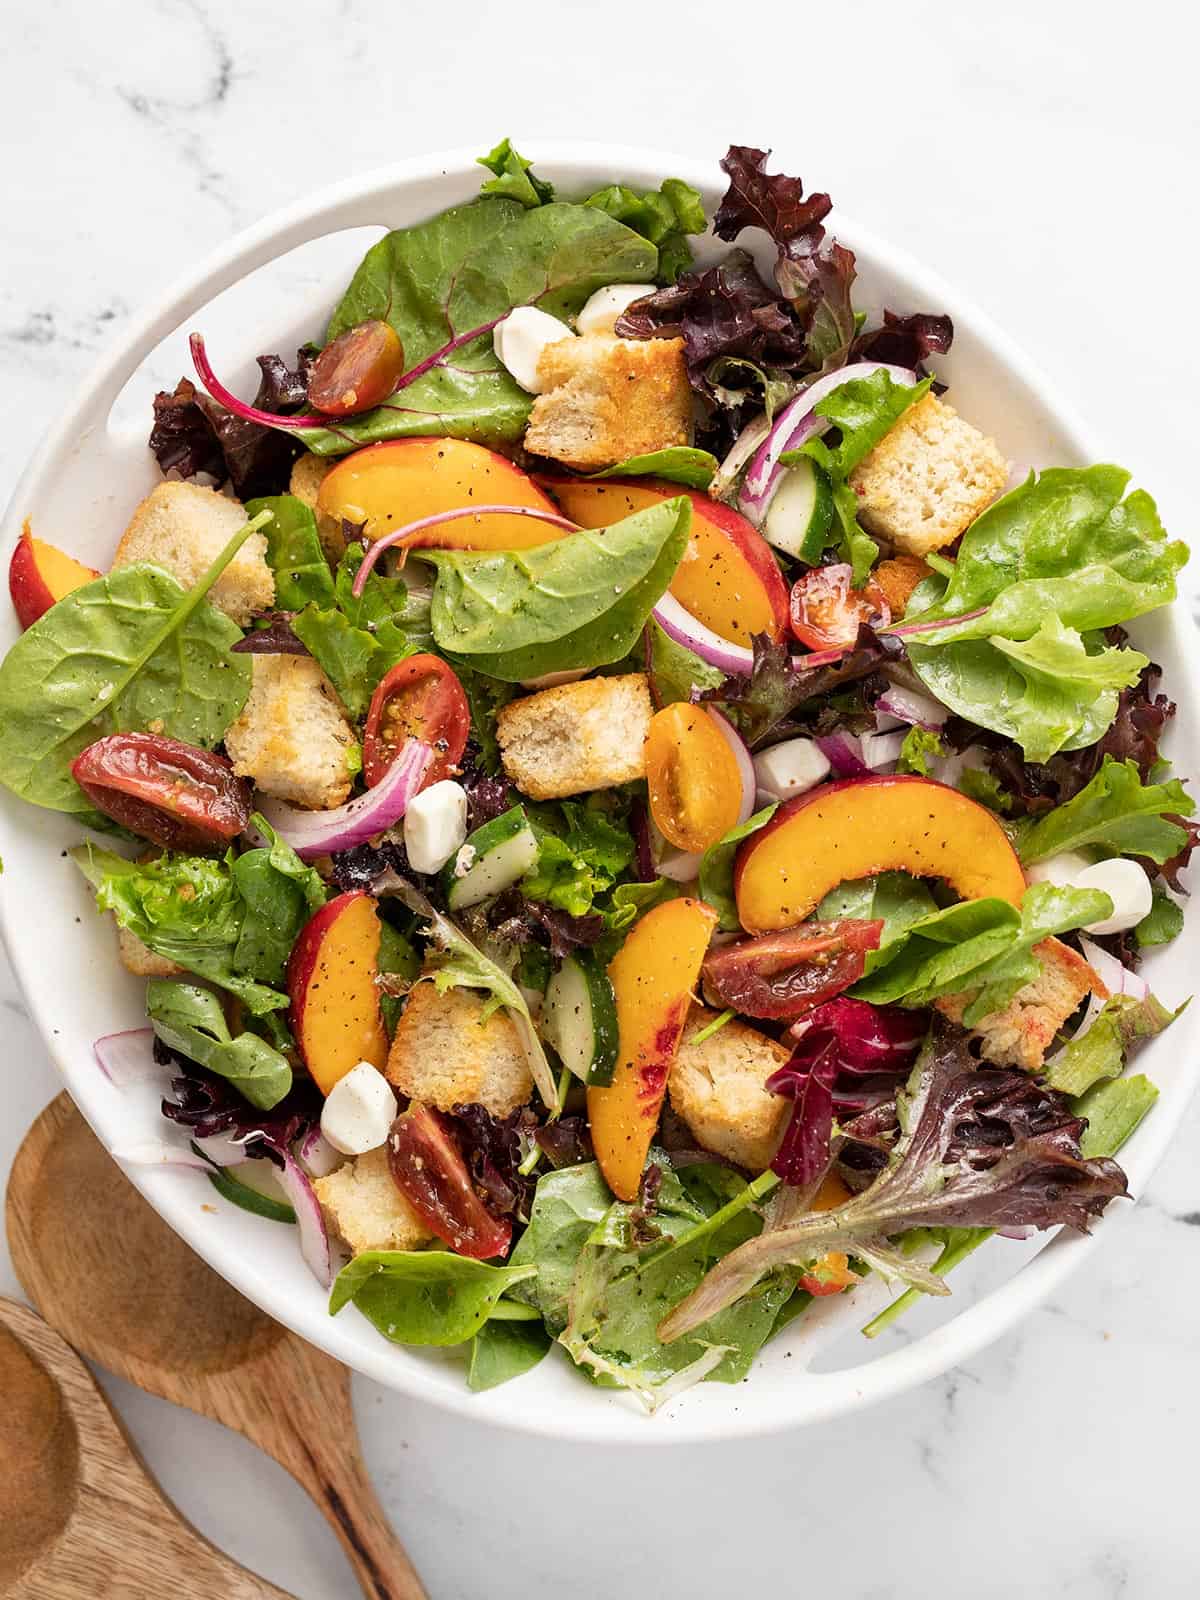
(79, 1513)
(109, 1274)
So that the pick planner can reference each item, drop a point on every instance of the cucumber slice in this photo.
(491, 859)
(580, 1019)
(241, 1194)
(800, 513)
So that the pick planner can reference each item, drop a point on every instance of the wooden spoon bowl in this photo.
(125, 1290)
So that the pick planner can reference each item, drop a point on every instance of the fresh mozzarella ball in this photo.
(789, 768)
(435, 824)
(1061, 870)
(520, 339)
(601, 312)
(359, 1110)
(1126, 885)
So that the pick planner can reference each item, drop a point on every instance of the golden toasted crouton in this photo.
(898, 577)
(308, 474)
(184, 527)
(141, 960)
(576, 736)
(447, 1055)
(1020, 1035)
(365, 1209)
(928, 479)
(292, 737)
(605, 399)
(717, 1088)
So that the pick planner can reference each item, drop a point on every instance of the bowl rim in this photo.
(341, 205)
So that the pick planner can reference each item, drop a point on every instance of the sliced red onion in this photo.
(314, 1236)
(881, 749)
(918, 710)
(128, 1058)
(1115, 977)
(747, 442)
(320, 833)
(162, 1153)
(1014, 1233)
(735, 660)
(844, 754)
(316, 1155)
(745, 764)
(949, 769)
(398, 535)
(797, 422)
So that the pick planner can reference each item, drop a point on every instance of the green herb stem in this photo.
(715, 1026)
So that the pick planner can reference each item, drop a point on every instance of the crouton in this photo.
(928, 479)
(717, 1088)
(184, 527)
(576, 736)
(139, 959)
(1020, 1035)
(365, 1209)
(897, 578)
(447, 1054)
(606, 399)
(308, 474)
(292, 737)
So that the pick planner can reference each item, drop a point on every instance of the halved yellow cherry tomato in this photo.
(695, 785)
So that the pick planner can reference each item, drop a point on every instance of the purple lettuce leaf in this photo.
(904, 341)
(206, 1104)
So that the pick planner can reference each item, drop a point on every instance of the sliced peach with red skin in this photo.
(388, 485)
(39, 576)
(862, 826)
(654, 976)
(331, 979)
(728, 578)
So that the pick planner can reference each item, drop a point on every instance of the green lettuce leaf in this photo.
(1101, 1052)
(294, 553)
(1162, 923)
(921, 748)
(504, 1349)
(1116, 813)
(512, 177)
(665, 216)
(1113, 1110)
(581, 853)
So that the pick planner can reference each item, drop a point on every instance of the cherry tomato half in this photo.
(420, 698)
(357, 370)
(827, 613)
(695, 785)
(178, 796)
(428, 1169)
(781, 975)
(830, 1275)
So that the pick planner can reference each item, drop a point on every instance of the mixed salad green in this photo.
(614, 895)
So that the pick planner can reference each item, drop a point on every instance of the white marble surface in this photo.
(1042, 156)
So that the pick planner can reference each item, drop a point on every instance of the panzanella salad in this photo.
(633, 821)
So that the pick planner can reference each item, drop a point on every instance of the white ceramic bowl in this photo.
(79, 491)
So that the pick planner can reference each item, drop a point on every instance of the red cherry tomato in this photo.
(420, 698)
(178, 796)
(781, 975)
(827, 613)
(830, 1275)
(428, 1169)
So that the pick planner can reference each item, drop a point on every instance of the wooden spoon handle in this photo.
(304, 1418)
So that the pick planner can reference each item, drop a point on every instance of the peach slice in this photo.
(331, 980)
(39, 575)
(861, 826)
(401, 480)
(653, 975)
(728, 578)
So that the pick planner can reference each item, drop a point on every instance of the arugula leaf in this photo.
(423, 1296)
(921, 748)
(677, 463)
(451, 279)
(1101, 1052)
(716, 867)
(190, 1020)
(504, 1349)
(1162, 923)
(578, 602)
(512, 177)
(131, 649)
(1116, 812)
(294, 553)
(677, 672)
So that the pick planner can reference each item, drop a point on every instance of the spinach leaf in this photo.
(512, 178)
(579, 602)
(502, 1350)
(1118, 813)
(190, 1020)
(892, 898)
(294, 553)
(1162, 923)
(677, 463)
(1065, 544)
(131, 649)
(716, 867)
(354, 660)
(423, 1296)
(451, 279)
(279, 894)
(567, 1205)
(677, 672)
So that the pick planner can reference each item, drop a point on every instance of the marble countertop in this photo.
(1043, 158)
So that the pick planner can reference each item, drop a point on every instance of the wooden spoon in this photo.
(109, 1274)
(79, 1513)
